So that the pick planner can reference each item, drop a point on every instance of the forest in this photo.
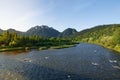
(13, 40)
(104, 35)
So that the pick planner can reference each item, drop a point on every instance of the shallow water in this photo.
(83, 62)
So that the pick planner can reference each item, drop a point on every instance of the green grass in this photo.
(11, 49)
(43, 48)
(60, 47)
(55, 47)
(3, 49)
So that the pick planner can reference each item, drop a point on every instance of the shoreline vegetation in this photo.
(4, 49)
(12, 41)
(109, 46)
(115, 48)
(107, 36)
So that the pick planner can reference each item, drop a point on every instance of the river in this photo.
(83, 62)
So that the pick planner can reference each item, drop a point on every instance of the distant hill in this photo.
(91, 34)
(105, 35)
(13, 30)
(67, 32)
(43, 31)
(98, 31)
(1, 31)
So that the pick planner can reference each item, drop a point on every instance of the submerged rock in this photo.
(26, 60)
(116, 67)
(113, 61)
(46, 57)
(95, 64)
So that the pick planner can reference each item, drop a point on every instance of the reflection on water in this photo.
(83, 62)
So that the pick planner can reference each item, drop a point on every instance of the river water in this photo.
(83, 62)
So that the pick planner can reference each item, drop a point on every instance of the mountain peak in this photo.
(10, 29)
(44, 26)
(41, 27)
(67, 32)
(43, 31)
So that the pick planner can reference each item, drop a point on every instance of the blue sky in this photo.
(59, 14)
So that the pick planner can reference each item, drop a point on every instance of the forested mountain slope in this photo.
(105, 35)
(43, 31)
(67, 32)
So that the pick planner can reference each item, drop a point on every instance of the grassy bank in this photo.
(115, 48)
(111, 47)
(56, 47)
(60, 47)
(11, 49)
(3, 49)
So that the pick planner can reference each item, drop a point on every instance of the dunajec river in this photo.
(83, 62)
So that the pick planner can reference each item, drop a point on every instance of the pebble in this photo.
(8, 73)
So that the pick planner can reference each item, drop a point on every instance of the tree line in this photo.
(15, 40)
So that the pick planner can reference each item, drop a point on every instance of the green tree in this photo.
(6, 38)
(116, 37)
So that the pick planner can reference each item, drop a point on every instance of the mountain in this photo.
(13, 30)
(98, 31)
(95, 33)
(43, 31)
(68, 32)
(1, 31)
(104, 35)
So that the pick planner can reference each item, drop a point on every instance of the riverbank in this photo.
(111, 47)
(116, 48)
(3, 49)
(11, 49)
(56, 47)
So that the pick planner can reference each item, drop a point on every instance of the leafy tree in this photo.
(6, 37)
(116, 36)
